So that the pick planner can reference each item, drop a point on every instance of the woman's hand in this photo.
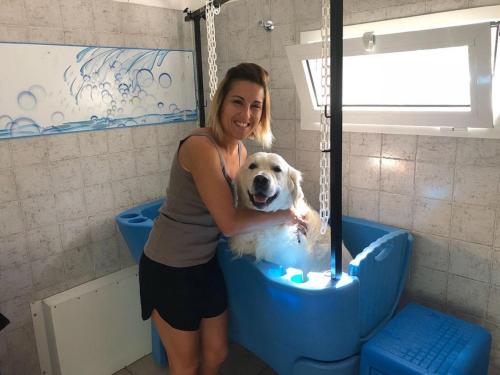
(299, 221)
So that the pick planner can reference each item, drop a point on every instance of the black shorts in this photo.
(182, 296)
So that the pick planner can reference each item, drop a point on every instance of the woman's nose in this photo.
(247, 112)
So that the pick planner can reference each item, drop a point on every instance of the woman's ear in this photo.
(295, 185)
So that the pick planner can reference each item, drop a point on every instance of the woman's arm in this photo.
(199, 156)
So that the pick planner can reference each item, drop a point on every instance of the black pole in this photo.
(196, 17)
(3, 322)
(199, 71)
(200, 13)
(336, 55)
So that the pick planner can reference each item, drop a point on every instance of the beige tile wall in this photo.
(446, 191)
(59, 194)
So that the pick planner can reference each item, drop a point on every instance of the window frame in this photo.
(475, 36)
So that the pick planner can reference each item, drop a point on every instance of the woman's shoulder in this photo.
(200, 137)
(197, 147)
(201, 132)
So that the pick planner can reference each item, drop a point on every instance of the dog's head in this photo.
(266, 182)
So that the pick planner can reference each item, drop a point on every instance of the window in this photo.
(439, 77)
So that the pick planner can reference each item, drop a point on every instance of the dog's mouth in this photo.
(260, 200)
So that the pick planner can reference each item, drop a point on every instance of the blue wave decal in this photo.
(131, 68)
(25, 127)
(103, 88)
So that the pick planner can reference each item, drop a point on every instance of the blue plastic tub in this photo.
(310, 328)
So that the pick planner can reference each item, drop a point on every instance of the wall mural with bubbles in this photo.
(48, 89)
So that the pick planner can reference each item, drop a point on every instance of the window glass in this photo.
(429, 79)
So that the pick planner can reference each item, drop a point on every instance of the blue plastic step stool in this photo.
(420, 340)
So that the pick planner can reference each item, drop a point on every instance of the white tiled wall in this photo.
(59, 194)
(446, 191)
(57, 225)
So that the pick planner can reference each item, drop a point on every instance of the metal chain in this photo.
(210, 11)
(324, 179)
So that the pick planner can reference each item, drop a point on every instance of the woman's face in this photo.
(241, 110)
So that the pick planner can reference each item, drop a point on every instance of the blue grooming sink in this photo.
(315, 327)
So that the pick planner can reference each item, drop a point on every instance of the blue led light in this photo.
(299, 278)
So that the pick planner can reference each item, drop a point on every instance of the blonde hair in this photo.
(243, 72)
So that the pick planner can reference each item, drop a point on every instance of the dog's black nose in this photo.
(260, 183)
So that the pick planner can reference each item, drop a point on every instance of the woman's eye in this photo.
(252, 166)
(276, 169)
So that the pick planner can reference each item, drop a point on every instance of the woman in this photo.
(182, 287)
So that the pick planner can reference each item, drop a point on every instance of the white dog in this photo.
(266, 182)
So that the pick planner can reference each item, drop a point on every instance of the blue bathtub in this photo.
(311, 328)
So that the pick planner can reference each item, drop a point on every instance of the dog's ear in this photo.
(240, 190)
(295, 184)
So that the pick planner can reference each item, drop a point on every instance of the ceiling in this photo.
(170, 4)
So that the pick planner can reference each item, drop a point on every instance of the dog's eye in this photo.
(276, 169)
(252, 166)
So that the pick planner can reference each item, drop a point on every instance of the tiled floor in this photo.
(239, 362)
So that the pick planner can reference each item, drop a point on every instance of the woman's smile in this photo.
(241, 124)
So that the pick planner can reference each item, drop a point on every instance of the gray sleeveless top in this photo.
(184, 234)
